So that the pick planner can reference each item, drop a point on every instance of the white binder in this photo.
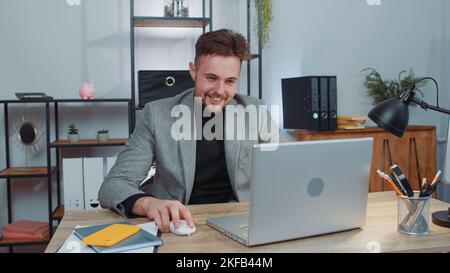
(73, 183)
(93, 178)
(110, 161)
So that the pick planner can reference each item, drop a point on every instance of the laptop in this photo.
(303, 189)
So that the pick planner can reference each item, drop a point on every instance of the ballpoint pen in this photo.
(433, 184)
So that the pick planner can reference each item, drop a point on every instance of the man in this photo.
(188, 171)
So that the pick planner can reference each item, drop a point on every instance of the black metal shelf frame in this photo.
(209, 19)
(50, 169)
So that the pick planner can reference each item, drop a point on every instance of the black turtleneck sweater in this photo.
(211, 182)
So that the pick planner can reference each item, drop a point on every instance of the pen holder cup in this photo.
(414, 215)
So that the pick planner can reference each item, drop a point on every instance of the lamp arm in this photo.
(426, 106)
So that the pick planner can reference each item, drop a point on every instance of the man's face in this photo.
(216, 79)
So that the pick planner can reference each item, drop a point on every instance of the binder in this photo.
(323, 97)
(110, 161)
(301, 103)
(72, 169)
(332, 103)
(93, 179)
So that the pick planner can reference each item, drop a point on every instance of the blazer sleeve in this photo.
(131, 167)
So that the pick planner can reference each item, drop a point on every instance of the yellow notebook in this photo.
(111, 235)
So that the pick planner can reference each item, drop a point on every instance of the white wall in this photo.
(49, 46)
(343, 37)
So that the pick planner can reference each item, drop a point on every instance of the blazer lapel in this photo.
(188, 150)
(232, 148)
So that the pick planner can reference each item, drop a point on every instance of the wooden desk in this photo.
(414, 153)
(380, 230)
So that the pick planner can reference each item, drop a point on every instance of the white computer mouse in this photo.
(184, 229)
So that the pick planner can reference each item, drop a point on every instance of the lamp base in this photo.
(441, 218)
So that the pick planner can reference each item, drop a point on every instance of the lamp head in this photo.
(393, 114)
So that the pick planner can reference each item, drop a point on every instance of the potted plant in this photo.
(103, 135)
(73, 134)
(381, 90)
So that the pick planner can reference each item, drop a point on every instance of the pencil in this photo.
(436, 177)
(389, 181)
(424, 180)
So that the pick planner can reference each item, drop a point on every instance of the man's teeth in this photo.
(216, 98)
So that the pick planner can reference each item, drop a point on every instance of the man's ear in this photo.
(192, 70)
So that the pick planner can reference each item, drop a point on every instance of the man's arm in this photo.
(120, 190)
(131, 167)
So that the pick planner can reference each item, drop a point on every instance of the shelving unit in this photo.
(189, 22)
(12, 172)
(89, 143)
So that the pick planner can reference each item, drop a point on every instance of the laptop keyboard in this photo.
(244, 227)
(245, 230)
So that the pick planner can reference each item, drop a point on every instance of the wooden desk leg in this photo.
(386, 152)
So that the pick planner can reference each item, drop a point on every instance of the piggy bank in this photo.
(87, 91)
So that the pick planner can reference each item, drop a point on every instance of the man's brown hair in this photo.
(222, 42)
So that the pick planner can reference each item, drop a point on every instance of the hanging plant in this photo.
(265, 19)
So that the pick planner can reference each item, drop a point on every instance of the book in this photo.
(142, 239)
(351, 127)
(353, 118)
(27, 227)
(351, 122)
(18, 235)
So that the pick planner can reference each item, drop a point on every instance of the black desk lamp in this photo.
(393, 116)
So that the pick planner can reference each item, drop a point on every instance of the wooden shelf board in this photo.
(24, 172)
(193, 22)
(58, 214)
(90, 142)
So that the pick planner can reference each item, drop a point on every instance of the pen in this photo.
(424, 180)
(436, 177)
(389, 181)
(432, 187)
(400, 189)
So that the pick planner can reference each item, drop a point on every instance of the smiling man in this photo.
(197, 170)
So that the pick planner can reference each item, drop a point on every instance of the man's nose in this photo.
(220, 88)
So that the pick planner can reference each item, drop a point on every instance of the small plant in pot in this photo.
(103, 135)
(73, 134)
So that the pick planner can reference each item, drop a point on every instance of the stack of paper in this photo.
(351, 122)
(26, 229)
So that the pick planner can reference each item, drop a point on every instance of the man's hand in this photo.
(162, 211)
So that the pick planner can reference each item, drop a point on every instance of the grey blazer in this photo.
(152, 141)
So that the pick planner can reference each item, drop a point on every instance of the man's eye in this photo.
(210, 78)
